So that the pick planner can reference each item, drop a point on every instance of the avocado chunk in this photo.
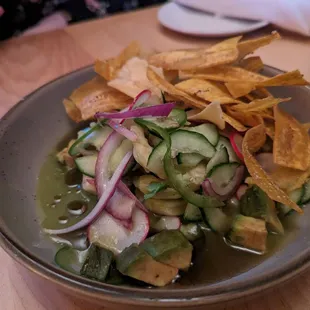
(249, 232)
(170, 247)
(97, 263)
(191, 231)
(192, 214)
(256, 203)
(138, 264)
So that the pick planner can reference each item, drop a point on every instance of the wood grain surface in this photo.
(29, 62)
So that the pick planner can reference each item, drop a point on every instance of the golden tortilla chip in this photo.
(246, 118)
(225, 45)
(234, 123)
(270, 129)
(194, 59)
(71, 109)
(306, 126)
(94, 96)
(171, 75)
(212, 113)
(259, 104)
(291, 142)
(109, 68)
(253, 140)
(239, 89)
(207, 90)
(254, 64)
(165, 86)
(249, 46)
(131, 79)
(289, 179)
(224, 73)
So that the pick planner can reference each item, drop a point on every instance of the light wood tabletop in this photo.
(28, 62)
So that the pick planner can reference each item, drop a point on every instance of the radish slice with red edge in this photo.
(122, 130)
(121, 206)
(141, 98)
(152, 111)
(124, 188)
(167, 223)
(241, 191)
(112, 235)
(236, 143)
(223, 193)
(101, 204)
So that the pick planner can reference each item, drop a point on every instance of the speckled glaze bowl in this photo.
(27, 135)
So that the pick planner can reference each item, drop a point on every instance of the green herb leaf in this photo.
(154, 188)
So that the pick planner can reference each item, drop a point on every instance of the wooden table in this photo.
(28, 62)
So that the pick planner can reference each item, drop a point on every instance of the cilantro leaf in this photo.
(154, 188)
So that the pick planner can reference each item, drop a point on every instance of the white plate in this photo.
(188, 21)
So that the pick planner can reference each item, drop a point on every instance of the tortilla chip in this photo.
(249, 46)
(253, 140)
(212, 113)
(246, 118)
(194, 59)
(109, 68)
(306, 126)
(166, 87)
(94, 96)
(234, 123)
(206, 90)
(289, 179)
(259, 104)
(171, 75)
(239, 89)
(131, 79)
(225, 45)
(224, 73)
(291, 142)
(71, 109)
(254, 64)
(270, 129)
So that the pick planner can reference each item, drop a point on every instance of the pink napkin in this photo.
(293, 15)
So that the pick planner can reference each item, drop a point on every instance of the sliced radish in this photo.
(151, 111)
(241, 191)
(236, 142)
(111, 234)
(121, 206)
(88, 184)
(167, 223)
(124, 188)
(266, 161)
(101, 204)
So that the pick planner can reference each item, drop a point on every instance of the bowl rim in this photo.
(210, 294)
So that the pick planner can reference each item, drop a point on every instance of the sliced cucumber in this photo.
(221, 156)
(191, 231)
(95, 136)
(222, 174)
(154, 140)
(189, 160)
(217, 220)
(192, 214)
(208, 130)
(71, 259)
(306, 195)
(182, 141)
(177, 118)
(296, 196)
(119, 154)
(231, 153)
(87, 164)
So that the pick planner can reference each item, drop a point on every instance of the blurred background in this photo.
(24, 17)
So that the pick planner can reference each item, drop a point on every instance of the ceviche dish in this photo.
(182, 160)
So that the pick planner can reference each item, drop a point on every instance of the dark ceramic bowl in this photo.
(27, 135)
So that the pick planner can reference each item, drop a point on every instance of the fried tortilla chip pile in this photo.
(223, 84)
